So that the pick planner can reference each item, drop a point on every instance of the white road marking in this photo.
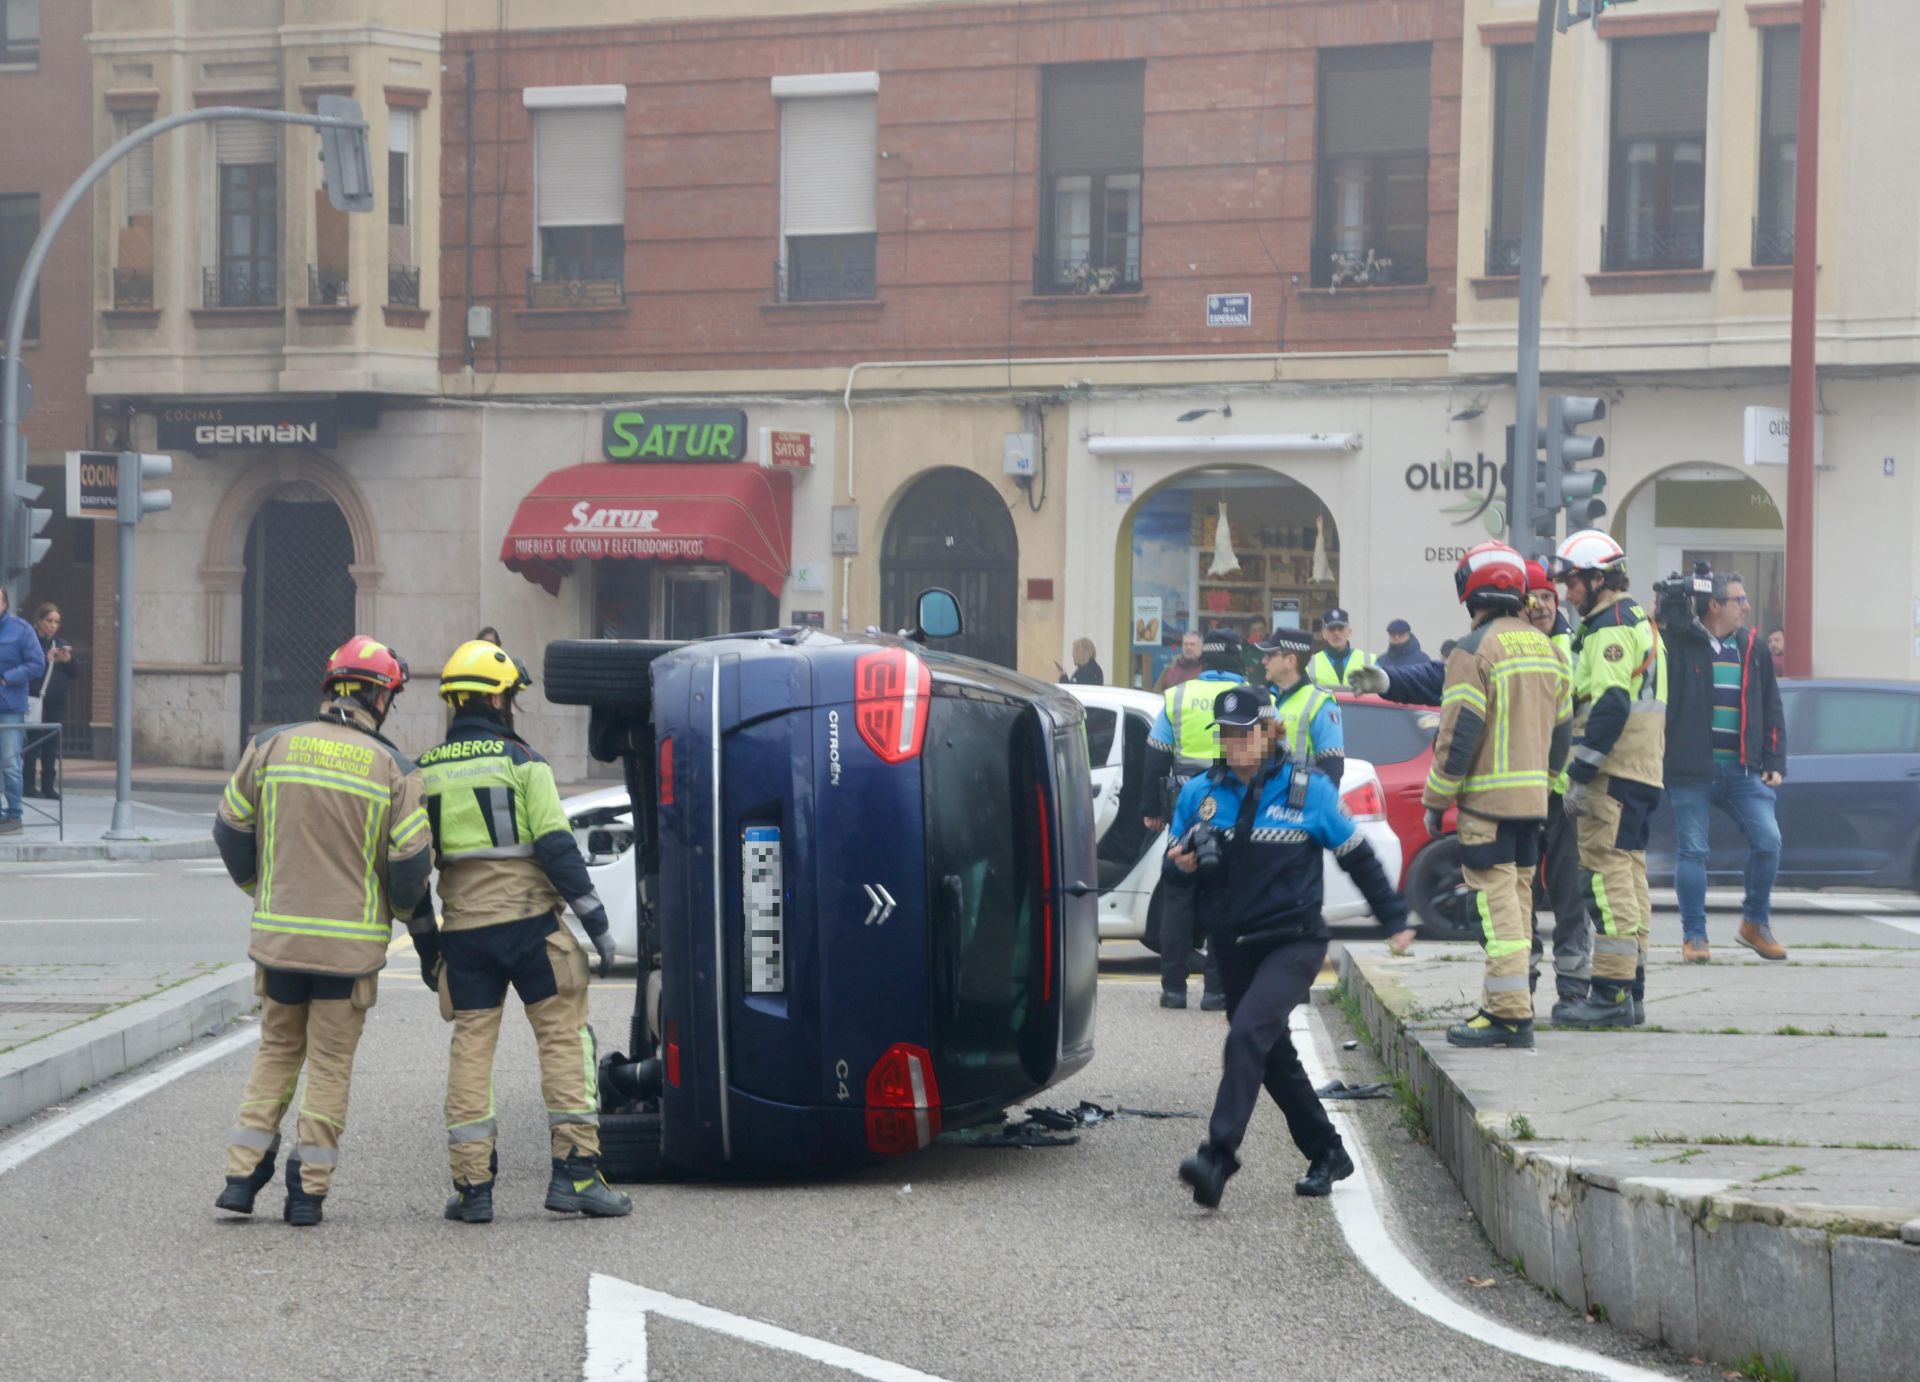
(1358, 1212)
(617, 1335)
(57, 1130)
(93, 873)
(1907, 924)
(71, 921)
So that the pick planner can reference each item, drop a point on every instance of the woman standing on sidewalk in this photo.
(44, 753)
(22, 664)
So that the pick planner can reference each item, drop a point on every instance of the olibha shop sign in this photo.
(1468, 491)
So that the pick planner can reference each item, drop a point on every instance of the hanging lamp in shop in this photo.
(1225, 563)
(1322, 568)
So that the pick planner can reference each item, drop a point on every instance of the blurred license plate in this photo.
(760, 886)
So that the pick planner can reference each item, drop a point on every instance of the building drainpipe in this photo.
(1801, 394)
(466, 322)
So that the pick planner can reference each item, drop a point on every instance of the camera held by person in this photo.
(1681, 601)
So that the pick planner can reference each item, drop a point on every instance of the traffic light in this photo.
(1544, 505)
(135, 499)
(1577, 491)
(25, 547)
(345, 164)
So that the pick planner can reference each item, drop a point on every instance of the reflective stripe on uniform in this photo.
(1505, 983)
(491, 852)
(1496, 948)
(238, 804)
(254, 1139)
(313, 1154)
(324, 778)
(405, 829)
(1615, 945)
(479, 1131)
(560, 1117)
(321, 926)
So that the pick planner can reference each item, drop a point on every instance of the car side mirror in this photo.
(936, 615)
(600, 842)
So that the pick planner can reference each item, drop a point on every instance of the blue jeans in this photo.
(10, 762)
(1742, 795)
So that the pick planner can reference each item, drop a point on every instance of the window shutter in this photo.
(1783, 83)
(399, 130)
(1092, 116)
(828, 152)
(580, 166)
(245, 142)
(138, 168)
(1513, 74)
(1660, 87)
(1374, 100)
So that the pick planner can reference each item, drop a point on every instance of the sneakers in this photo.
(1334, 1164)
(1759, 939)
(1484, 1029)
(1695, 952)
(471, 1204)
(10, 825)
(1213, 1002)
(241, 1191)
(578, 1187)
(1607, 1006)
(1173, 998)
(1207, 1171)
(302, 1210)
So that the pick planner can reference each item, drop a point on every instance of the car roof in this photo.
(1114, 697)
(1849, 684)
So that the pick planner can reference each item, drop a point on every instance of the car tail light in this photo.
(673, 1054)
(891, 688)
(1046, 892)
(903, 1101)
(1365, 802)
(666, 771)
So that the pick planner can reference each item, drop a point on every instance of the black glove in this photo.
(594, 919)
(1435, 820)
(604, 944)
(427, 943)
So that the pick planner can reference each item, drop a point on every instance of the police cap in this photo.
(1287, 641)
(1241, 706)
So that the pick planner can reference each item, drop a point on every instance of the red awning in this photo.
(741, 515)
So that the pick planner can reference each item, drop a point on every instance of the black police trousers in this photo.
(1263, 989)
(1178, 936)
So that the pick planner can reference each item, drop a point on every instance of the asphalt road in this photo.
(1081, 1261)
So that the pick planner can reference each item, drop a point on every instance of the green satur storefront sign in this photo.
(674, 434)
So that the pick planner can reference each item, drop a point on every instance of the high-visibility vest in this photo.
(1297, 710)
(1190, 712)
(1321, 673)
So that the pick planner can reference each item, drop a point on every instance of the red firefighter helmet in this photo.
(1537, 577)
(366, 661)
(1492, 572)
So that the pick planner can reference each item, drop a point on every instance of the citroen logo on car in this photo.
(883, 905)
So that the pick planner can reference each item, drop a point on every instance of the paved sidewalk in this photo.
(165, 832)
(1741, 1175)
(64, 1028)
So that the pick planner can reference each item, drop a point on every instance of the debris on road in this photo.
(1340, 1089)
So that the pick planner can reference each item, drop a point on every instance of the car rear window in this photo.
(1847, 720)
(982, 766)
(1384, 734)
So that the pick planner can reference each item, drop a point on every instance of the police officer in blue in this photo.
(1248, 837)
(1181, 745)
(1309, 716)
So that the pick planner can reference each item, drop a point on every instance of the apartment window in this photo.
(1657, 185)
(247, 170)
(1371, 197)
(580, 199)
(1092, 117)
(19, 224)
(828, 156)
(19, 31)
(1512, 97)
(403, 274)
(133, 218)
(1779, 143)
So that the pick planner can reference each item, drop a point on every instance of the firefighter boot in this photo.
(302, 1210)
(1331, 1165)
(471, 1204)
(1637, 995)
(239, 1195)
(578, 1187)
(1609, 1006)
(1484, 1029)
(1207, 1171)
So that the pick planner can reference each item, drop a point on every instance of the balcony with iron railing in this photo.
(826, 268)
(581, 284)
(240, 285)
(1649, 249)
(1772, 243)
(1503, 255)
(328, 287)
(1082, 276)
(132, 290)
(403, 286)
(1382, 266)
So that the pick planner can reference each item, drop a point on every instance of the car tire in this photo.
(1434, 874)
(630, 1148)
(608, 672)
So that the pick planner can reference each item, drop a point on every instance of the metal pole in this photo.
(12, 462)
(1801, 398)
(466, 327)
(122, 827)
(1526, 378)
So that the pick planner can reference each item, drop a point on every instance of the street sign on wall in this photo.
(1229, 309)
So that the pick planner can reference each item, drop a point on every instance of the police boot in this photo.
(1213, 1001)
(471, 1204)
(1484, 1029)
(578, 1187)
(1607, 1006)
(1331, 1165)
(302, 1210)
(1207, 1171)
(238, 1197)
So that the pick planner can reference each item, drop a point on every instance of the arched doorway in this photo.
(1279, 563)
(297, 603)
(1710, 513)
(952, 529)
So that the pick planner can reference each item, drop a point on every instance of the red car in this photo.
(1398, 741)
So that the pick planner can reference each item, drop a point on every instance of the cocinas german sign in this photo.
(674, 434)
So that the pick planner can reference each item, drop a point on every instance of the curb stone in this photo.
(45, 1072)
(138, 851)
(1678, 1260)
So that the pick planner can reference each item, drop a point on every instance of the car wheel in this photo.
(611, 673)
(1151, 939)
(1433, 891)
(630, 1148)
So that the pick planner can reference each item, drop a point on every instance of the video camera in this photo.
(1679, 600)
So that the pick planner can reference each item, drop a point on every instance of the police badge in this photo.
(1207, 807)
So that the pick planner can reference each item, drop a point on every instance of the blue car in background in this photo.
(1849, 809)
(867, 893)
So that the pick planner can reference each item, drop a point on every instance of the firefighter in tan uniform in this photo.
(507, 860)
(324, 826)
(1505, 723)
(1615, 777)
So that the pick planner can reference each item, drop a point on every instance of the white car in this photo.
(1118, 720)
(602, 824)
